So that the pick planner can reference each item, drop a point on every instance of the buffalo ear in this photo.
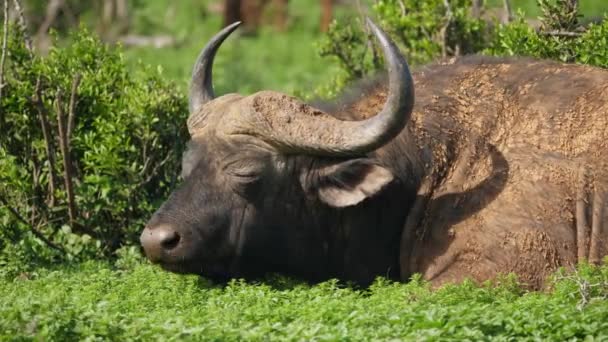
(350, 182)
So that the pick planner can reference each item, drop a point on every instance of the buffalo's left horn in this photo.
(201, 84)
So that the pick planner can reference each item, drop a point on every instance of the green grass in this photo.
(96, 301)
(283, 61)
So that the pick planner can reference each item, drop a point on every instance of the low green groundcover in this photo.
(100, 301)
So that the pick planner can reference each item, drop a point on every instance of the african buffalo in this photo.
(498, 168)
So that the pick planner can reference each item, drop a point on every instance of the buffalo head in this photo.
(265, 176)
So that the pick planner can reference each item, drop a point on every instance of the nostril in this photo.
(169, 239)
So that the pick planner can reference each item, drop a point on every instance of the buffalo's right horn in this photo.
(201, 84)
(323, 134)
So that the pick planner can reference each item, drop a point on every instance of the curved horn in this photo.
(382, 128)
(201, 84)
(322, 134)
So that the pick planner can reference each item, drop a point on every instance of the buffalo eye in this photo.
(245, 175)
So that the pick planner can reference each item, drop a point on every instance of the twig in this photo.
(67, 162)
(42, 115)
(52, 11)
(508, 12)
(38, 234)
(477, 8)
(557, 33)
(73, 96)
(23, 24)
(369, 43)
(444, 30)
(402, 7)
(4, 43)
(155, 170)
(36, 170)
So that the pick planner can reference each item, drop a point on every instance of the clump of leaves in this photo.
(424, 30)
(350, 46)
(87, 151)
(560, 36)
(561, 15)
(428, 29)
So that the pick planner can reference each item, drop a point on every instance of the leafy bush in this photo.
(427, 30)
(123, 134)
(94, 301)
(565, 42)
(423, 30)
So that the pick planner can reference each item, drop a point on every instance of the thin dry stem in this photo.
(4, 43)
(52, 11)
(46, 133)
(34, 231)
(508, 11)
(444, 30)
(557, 33)
(67, 162)
(73, 97)
(23, 24)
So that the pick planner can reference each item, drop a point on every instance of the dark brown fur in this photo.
(502, 143)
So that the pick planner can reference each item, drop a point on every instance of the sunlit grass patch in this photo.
(97, 300)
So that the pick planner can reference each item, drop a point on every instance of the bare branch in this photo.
(155, 169)
(4, 43)
(38, 234)
(52, 10)
(402, 7)
(23, 24)
(477, 8)
(73, 96)
(50, 151)
(67, 162)
(36, 171)
(444, 30)
(326, 13)
(508, 12)
(557, 33)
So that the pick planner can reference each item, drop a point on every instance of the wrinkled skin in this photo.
(486, 178)
(255, 216)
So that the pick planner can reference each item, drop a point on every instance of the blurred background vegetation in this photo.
(93, 106)
(169, 33)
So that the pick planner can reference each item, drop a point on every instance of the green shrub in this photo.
(128, 130)
(585, 45)
(428, 29)
(94, 301)
(424, 30)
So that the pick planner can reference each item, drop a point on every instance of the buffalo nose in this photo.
(159, 240)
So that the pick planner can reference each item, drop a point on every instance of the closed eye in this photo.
(246, 169)
(245, 175)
